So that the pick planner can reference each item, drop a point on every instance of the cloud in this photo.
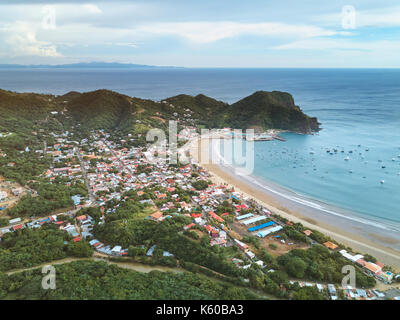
(92, 8)
(21, 40)
(123, 44)
(385, 17)
(382, 46)
(205, 32)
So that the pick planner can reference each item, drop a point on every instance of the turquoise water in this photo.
(303, 164)
(355, 106)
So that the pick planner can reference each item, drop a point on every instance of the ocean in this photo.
(352, 164)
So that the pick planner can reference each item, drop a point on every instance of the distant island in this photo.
(85, 65)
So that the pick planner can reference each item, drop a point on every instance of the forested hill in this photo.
(274, 109)
(104, 109)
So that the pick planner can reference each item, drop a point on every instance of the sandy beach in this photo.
(347, 234)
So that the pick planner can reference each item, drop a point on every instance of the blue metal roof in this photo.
(261, 226)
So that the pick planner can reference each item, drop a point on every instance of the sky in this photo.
(206, 33)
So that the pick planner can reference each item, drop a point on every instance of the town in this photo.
(115, 173)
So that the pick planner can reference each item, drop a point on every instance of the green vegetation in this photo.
(261, 110)
(80, 249)
(270, 110)
(50, 197)
(134, 232)
(27, 248)
(86, 280)
(201, 184)
(319, 264)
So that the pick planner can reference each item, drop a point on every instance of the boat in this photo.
(382, 181)
(347, 159)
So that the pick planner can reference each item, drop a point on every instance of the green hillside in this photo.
(270, 110)
(118, 113)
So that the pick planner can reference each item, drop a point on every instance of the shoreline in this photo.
(314, 220)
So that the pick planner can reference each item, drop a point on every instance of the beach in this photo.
(361, 238)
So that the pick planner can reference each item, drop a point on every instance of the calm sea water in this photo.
(359, 111)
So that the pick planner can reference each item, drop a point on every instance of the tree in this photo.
(81, 249)
(308, 293)
(296, 267)
(266, 257)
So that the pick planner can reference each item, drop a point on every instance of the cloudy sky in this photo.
(207, 33)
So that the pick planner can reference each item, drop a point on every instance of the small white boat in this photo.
(346, 159)
(382, 181)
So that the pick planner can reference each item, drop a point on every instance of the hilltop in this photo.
(272, 110)
(262, 110)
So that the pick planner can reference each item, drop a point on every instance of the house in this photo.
(189, 226)
(307, 232)
(218, 241)
(241, 245)
(250, 254)
(348, 256)
(156, 216)
(18, 227)
(260, 263)
(215, 216)
(330, 245)
(200, 221)
(332, 291)
(150, 251)
(372, 268)
(116, 250)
